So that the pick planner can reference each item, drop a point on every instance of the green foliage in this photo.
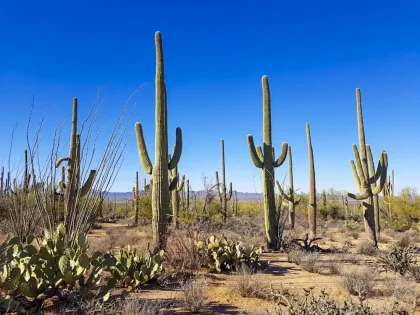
(405, 210)
(45, 265)
(131, 270)
(226, 255)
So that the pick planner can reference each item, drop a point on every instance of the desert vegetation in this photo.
(68, 248)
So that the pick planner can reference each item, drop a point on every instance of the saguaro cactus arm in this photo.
(141, 146)
(282, 193)
(384, 166)
(181, 184)
(229, 193)
(260, 152)
(64, 159)
(258, 162)
(282, 155)
(177, 150)
(88, 184)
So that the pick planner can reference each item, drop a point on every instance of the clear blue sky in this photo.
(314, 53)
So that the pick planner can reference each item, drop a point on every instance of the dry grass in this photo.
(354, 234)
(251, 285)
(193, 295)
(367, 248)
(309, 262)
(359, 280)
(402, 289)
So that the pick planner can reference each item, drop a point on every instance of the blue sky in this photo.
(314, 53)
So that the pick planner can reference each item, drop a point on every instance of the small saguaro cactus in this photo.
(159, 171)
(388, 193)
(366, 177)
(224, 196)
(72, 187)
(136, 200)
(235, 203)
(312, 187)
(290, 196)
(175, 188)
(264, 158)
(187, 196)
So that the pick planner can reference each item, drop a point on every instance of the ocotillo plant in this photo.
(224, 196)
(312, 187)
(159, 172)
(366, 177)
(290, 197)
(264, 158)
(26, 175)
(136, 200)
(175, 188)
(389, 193)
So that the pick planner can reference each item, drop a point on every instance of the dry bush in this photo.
(99, 244)
(414, 272)
(409, 237)
(251, 285)
(367, 248)
(136, 306)
(309, 262)
(352, 234)
(352, 259)
(334, 266)
(359, 280)
(193, 295)
(182, 253)
(389, 232)
(295, 256)
(402, 289)
(383, 239)
(122, 237)
(398, 258)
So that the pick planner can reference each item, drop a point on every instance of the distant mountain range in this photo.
(121, 196)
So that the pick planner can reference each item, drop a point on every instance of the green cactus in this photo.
(175, 188)
(26, 175)
(226, 255)
(224, 196)
(136, 200)
(73, 191)
(312, 187)
(366, 177)
(187, 197)
(235, 203)
(389, 194)
(159, 172)
(264, 158)
(290, 197)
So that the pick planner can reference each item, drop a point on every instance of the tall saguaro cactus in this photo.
(264, 158)
(290, 197)
(136, 200)
(224, 196)
(389, 193)
(366, 177)
(176, 188)
(312, 187)
(72, 185)
(159, 171)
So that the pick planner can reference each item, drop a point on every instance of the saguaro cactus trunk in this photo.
(312, 187)
(290, 197)
(175, 188)
(224, 196)
(365, 177)
(159, 171)
(264, 158)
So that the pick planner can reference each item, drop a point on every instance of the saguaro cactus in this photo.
(312, 187)
(290, 197)
(222, 191)
(26, 175)
(389, 193)
(365, 177)
(175, 188)
(136, 200)
(159, 171)
(72, 185)
(264, 158)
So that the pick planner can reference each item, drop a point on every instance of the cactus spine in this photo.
(290, 197)
(312, 187)
(264, 158)
(365, 177)
(222, 191)
(71, 187)
(159, 171)
(175, 188)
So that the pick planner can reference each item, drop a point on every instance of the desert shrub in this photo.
(295, 256)
(414, 272)
(250, 285)
(334, 267)
(182, 252)
(193, 295)
(408, 237)
(359, 280)
(367, 248)
(309, 262)
(398, 258)
(99, 244)
(136, 306)
(401, 289)
(223, 254)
